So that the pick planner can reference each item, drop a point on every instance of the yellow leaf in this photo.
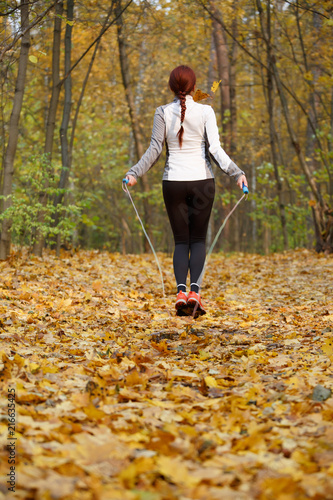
(34, 367)
(19, 360)
(305, 461)
(97, 285)
(199, 95)
(129, 475)
(33, 59)
(204, 355)
(210, 381)
(93, 413)
(308, 76)
(294, 382)
(50, 369)
(215, 86)
(135, 378)
(178, 373)
(176, 471)
(327, 348)
(129, 395)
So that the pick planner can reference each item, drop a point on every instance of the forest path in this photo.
(116, 398)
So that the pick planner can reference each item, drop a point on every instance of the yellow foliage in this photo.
(215, 86)
(199, 95)
(114, 398)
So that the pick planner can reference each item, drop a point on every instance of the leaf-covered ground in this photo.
(117, 399)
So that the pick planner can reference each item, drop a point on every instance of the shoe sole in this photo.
(199, 310)
(182, 308)
(180, 303)
(183, 311)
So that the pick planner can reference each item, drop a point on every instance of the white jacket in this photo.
(201, 139)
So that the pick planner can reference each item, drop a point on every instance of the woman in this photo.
(190, 132)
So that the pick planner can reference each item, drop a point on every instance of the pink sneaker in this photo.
(194, 302)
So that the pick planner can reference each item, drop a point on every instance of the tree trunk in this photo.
(266, 34)
(226, 64)
(223, 67)
(50, 125)
(232, 80)
(65, 151)
(233, 113)
(8, 170)
(330, 146)
(225, 73)
(324, 237)
(138, 140)
(210, 81)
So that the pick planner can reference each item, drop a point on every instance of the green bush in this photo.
(35, 177)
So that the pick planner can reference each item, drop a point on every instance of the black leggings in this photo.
(189, 205)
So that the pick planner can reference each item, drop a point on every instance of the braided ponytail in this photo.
(182, 81)
(180, 133)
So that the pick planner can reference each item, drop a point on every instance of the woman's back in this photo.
(190, 161)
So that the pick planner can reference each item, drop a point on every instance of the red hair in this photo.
(181, 82)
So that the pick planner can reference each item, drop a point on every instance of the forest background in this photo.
(80, 82)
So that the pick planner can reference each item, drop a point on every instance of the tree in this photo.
(51, 124)
(135, 122)
(65, 149)
(56, 88)
(267, 37)
(97, 142)
(8, 170)
(322, 213)
(21, 33)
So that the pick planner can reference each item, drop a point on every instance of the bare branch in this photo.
(216, 15)
(4, 14)
(296, 4)
(85, 81)
(95, 41)
(20, 34)
(14, 9)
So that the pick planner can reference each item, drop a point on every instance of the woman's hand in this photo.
(242, 180)
(131, 180)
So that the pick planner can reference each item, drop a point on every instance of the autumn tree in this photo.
(50, 124)
(320, 206)
(130, 98)
(9, 156)
(276, 92)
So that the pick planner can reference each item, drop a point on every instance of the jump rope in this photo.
(125, 189)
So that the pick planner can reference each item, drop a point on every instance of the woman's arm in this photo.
(154, 151)
(218, 154)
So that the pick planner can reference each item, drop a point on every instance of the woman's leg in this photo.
(175, 199)
(201, 202)
(189, 205)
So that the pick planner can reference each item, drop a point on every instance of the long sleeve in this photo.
(154, 151)
(219, 155)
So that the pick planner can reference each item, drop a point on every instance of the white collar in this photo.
(188, 97)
